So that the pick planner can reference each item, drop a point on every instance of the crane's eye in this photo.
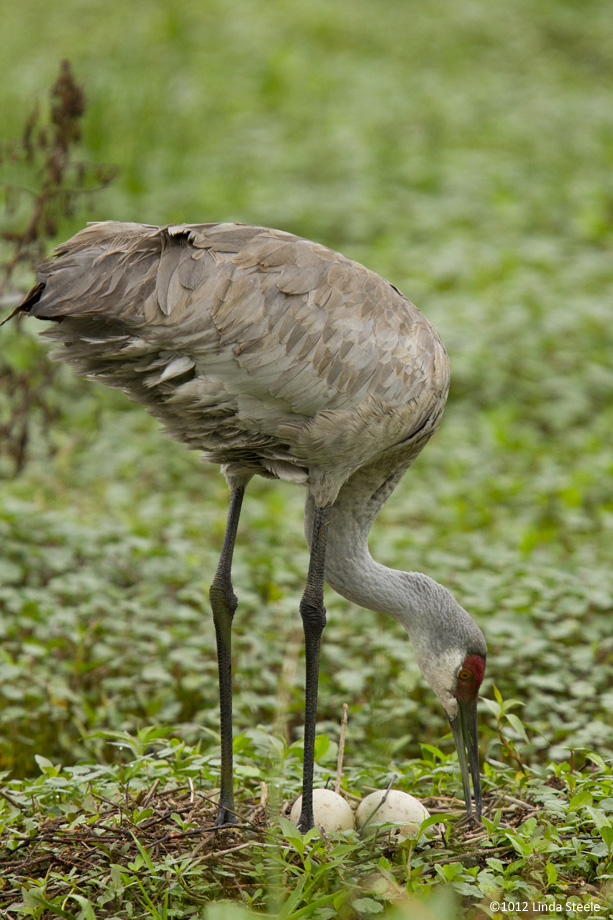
(465, 674)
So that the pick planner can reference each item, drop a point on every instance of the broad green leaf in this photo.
(46, 766)
(606, 832)
(517, 725)
(368, 906)
(580, 800)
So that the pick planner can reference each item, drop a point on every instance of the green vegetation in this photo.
(465, 151)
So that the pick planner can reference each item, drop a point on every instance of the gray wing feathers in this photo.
(276, 332)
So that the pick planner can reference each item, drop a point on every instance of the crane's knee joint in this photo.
(223, 599)
(313, 615)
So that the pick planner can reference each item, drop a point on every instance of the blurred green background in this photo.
(465, 151)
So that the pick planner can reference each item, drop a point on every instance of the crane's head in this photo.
(451, 651)
(464, 724)
(456, 681)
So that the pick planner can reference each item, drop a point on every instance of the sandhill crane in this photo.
(275, 355)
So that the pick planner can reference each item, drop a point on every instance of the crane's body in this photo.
(269, 353)
(276, 356)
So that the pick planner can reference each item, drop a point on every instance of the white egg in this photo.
(390, 808)
(331, 812)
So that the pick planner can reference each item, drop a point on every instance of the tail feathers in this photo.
(31, 299)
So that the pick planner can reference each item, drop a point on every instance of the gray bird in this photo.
(275, 355)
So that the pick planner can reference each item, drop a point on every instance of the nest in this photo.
(179, 823)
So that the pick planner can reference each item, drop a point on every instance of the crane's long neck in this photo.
(440, 630)
(409, 597)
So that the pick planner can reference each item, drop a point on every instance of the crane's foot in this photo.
(225, 817)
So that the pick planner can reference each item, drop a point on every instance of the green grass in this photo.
(463, 150)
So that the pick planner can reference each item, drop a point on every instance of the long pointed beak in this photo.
(464, 731)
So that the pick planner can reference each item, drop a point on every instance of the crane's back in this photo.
(266, 351)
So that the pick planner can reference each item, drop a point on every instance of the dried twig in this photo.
(52, 184)
(45, 149)
(341, 749)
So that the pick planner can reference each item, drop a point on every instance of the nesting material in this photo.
(330, 811)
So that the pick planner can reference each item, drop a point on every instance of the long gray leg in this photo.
(223, 604)
(313, 615)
